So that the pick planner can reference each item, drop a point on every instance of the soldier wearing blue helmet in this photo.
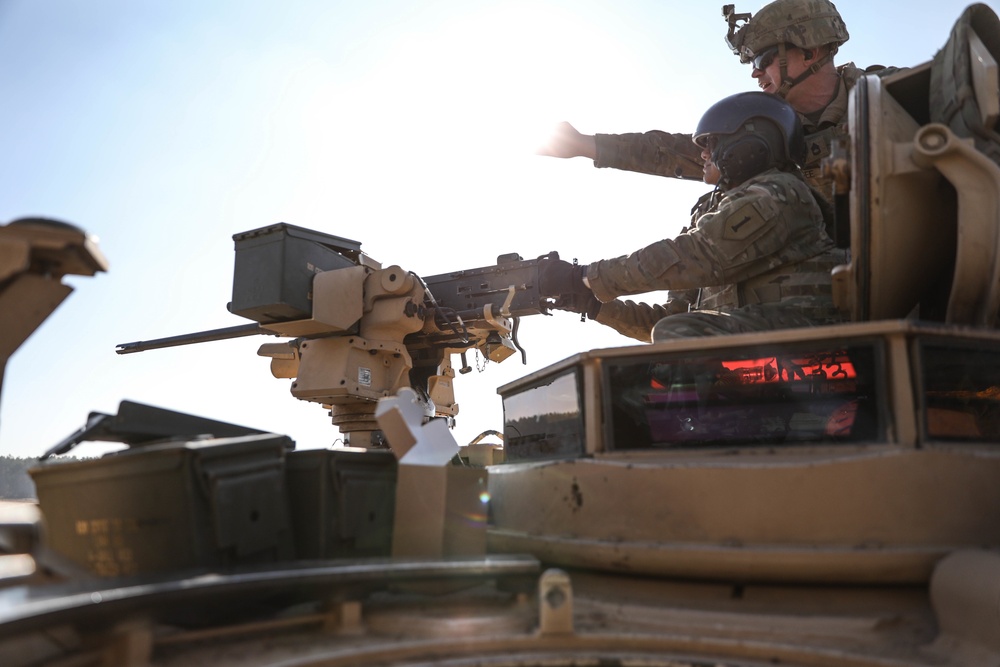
(755, 257)
(773, 140)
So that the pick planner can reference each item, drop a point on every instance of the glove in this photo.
(585, 304)
(557, 277)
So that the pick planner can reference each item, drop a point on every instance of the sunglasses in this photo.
(764, 59)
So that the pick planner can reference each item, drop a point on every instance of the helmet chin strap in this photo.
(786, 83)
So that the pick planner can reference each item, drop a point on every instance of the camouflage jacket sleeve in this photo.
(769, 221)
(636, 320)
(655, 152)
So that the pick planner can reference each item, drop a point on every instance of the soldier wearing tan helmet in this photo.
(814, 27)
(790, 45)
(756, 256)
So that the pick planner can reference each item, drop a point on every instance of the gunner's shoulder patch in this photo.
(744, 222)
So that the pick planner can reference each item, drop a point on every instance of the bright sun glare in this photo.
(496, 80)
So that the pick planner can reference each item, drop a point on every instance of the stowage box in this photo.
(212, 503)
(275, 266)
(342, 502)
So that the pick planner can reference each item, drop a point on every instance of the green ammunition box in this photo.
(342, 502)
(214, 504)
(275, 266)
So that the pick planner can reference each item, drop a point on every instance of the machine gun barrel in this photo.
(238, 331)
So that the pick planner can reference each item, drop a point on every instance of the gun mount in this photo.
(359, 331)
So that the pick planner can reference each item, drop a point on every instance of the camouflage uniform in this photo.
(675, 155)
(756, 257)
(759, 253)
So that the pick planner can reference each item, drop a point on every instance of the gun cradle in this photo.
(360, 317)
(337, 371)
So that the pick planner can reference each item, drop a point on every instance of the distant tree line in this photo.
(15, 483)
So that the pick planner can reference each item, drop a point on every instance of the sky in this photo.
(163, 128)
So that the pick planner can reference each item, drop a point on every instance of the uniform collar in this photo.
(834, 112)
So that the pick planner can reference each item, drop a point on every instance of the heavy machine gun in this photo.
(359, 331)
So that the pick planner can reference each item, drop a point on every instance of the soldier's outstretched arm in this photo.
(566, 141)
(655, 152)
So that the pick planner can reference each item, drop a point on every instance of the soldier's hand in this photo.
(557, 277)
(585, 304)
(566, 141)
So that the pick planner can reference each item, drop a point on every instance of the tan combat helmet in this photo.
(807, 24)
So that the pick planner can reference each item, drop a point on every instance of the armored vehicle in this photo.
(822, 496)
